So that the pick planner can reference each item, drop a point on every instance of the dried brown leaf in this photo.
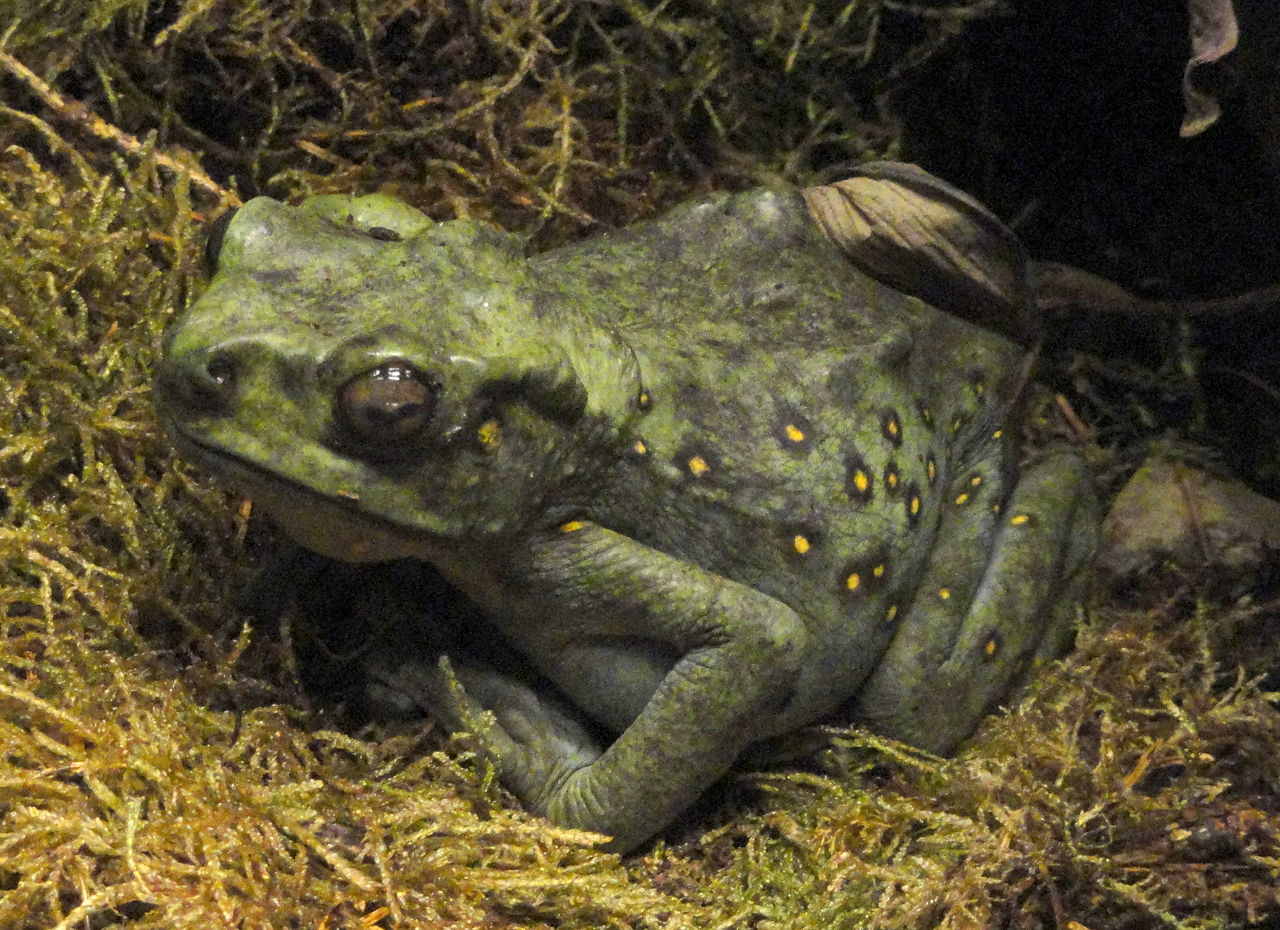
(1214, 34)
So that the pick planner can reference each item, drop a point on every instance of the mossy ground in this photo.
(161, 765)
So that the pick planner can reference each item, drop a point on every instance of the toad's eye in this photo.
(213, 240)
(388, 404)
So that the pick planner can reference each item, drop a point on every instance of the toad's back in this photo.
(803, 424)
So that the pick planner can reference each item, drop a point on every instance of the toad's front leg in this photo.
(739, 654)
(592, 604)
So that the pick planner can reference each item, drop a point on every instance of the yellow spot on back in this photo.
(891, 479)
(639, 448)
(802, 544)
(1019, 518)
(572, 526)
(853, 582)
(962, 498)
(861, 481)
(891, 427)
(975, 481)
(489, 434)
(698, 466)
(991, 647)
(915, 504)
(794, 433)
(944, 593)
(997, 434)
(879, 570)
(892, 612)
(931, 470)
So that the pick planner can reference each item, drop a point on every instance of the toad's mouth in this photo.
(338, 524)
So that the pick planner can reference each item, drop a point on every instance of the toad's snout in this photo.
(200, 382)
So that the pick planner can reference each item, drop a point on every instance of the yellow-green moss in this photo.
(145, 775)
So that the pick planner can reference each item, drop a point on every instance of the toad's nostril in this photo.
(221, 369)
(202, 383)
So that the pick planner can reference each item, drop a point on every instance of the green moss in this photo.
(1133, 787)
(581, 111)
(147, 772)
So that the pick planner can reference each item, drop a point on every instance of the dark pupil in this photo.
(392, 402)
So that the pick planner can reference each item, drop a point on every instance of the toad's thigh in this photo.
(958, 654)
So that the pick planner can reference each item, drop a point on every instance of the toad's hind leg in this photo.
(958, 653)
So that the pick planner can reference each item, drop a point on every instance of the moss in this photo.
(583, 111)
(147, 775)
(160, 765)
(1133, 787)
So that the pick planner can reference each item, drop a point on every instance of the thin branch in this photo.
(81, 117)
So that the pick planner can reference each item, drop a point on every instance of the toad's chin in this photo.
(333, 526)
(330, 529)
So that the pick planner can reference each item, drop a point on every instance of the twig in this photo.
(1058, 287)
(81, 117)
(1083, 432)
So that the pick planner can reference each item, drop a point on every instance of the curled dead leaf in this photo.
(915, 232)
(1214, 34)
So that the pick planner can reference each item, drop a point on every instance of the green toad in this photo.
(708, 475)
